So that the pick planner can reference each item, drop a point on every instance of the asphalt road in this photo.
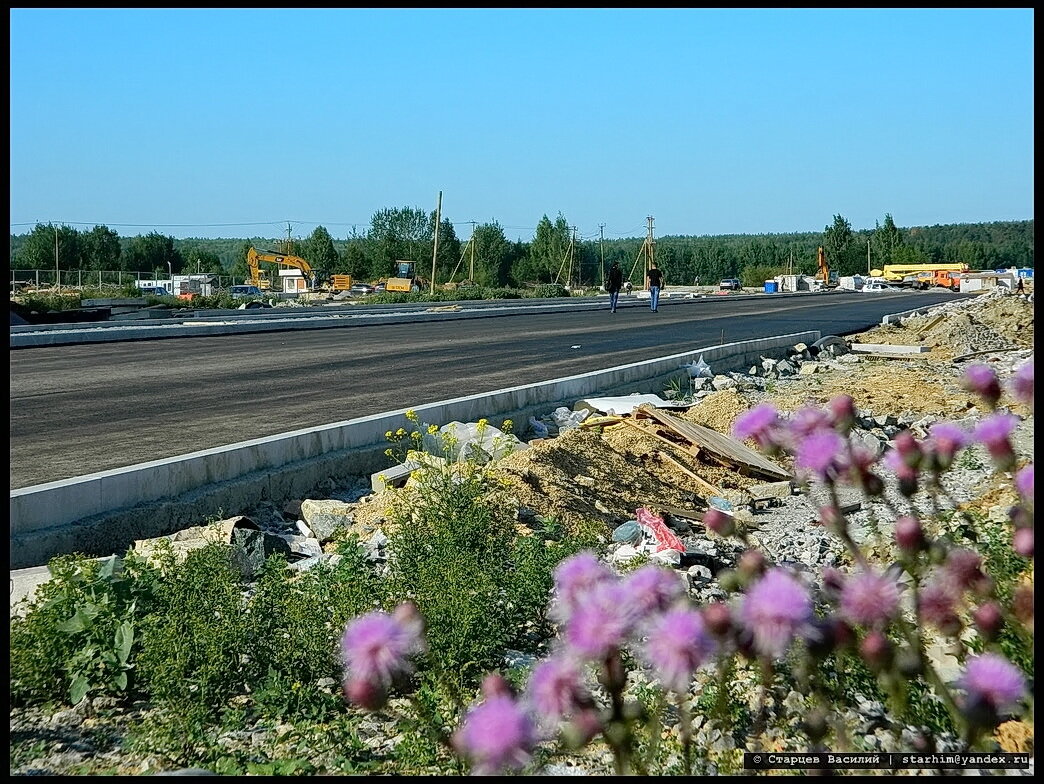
(84, 408)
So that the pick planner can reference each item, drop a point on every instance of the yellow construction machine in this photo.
(261, 280)
(405, 278)
(826, 276)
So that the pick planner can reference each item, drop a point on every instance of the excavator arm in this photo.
(254, 258)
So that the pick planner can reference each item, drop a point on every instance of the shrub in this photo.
(296, 620)
(80, 635)
(195, 646)
(545, 290)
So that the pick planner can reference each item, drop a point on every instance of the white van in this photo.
(876, 284)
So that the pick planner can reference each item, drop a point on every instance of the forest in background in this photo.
(554, 255)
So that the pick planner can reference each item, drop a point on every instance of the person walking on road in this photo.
(654, 279)
(613, 284)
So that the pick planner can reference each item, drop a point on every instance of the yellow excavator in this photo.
(405, 278)
(826, 276)
(261, 280)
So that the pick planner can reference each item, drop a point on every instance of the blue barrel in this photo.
(771, 287)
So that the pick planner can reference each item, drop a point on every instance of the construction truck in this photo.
(405, 278)
(898, 273)
(947, 279)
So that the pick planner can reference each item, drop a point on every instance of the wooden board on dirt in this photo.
(714, 444)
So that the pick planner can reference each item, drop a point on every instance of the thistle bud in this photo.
(876, 650)
(718, 618)
(988, 620)
(1023, 542)
(909, 534)
(365, 693)
(751, 564)
(719, 522)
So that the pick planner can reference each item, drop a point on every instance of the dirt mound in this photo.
(990, 321)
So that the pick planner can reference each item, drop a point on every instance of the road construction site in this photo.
(100, 512)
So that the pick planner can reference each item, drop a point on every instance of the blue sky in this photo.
(229, 123)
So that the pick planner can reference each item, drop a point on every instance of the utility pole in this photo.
(57, 274)
(572, 241)
(471, 272)
(868, 256)
(650, 245)
(435, 248)
(601, 248)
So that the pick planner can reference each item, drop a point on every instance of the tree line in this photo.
(553, 255)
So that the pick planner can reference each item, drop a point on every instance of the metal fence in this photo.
(44, 280)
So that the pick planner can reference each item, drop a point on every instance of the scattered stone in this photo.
(325, 517)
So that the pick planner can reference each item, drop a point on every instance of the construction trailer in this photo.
(984, 281)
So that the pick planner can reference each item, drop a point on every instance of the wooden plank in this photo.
(688, 514)
(716, 444)
(690, 473)
(690, 449)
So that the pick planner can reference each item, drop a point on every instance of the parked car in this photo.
(878, 285)
(245, 292)
(362, 288)
(156, 291)
(379, 288)
(730, 284)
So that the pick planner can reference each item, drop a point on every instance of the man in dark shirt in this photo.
(654, 278)
(613, 284)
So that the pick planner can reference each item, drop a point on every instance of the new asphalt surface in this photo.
(78, 409)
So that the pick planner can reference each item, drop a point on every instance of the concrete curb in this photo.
(894, 318)
(102, 513)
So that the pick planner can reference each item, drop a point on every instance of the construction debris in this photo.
(716, 446)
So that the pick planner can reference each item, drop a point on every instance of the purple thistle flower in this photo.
(944, 439)
(855, 463)
(774, 609)
(937, 603)
(905, 474)
(993, 433)
(869, 599)
(993, 680)
(809, 420)
(1024, 482)
(376, 647)
(496, 736)
(760, 424)
(842, 413)
(964, 567)
(982, 380)
(1022, 384)
(906, 445)
(820, 453)
(600, 624)
(652, 589)
(678, 643)
(555, 689)
(574, 578)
